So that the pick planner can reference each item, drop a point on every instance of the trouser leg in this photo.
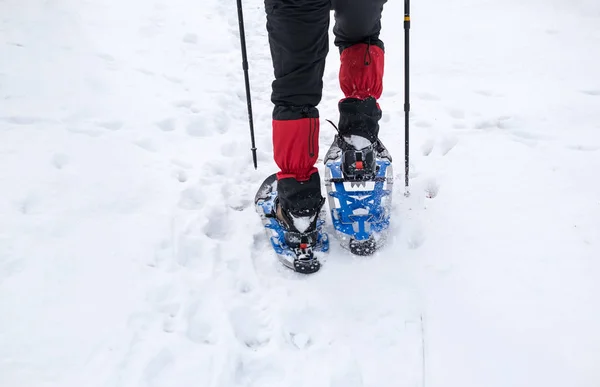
(357, 21)
(357, 28)
(299, 44)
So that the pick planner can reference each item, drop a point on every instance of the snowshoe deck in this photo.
(359, 203)
(302, 260)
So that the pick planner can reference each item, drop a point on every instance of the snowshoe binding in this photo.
(298, 250)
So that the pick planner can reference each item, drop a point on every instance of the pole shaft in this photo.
(406, 92)
(246, 78)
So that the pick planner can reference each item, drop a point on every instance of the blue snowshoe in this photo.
(298, 250)
(359, 182)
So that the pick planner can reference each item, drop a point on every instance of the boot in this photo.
(357, 142)
(297, 208)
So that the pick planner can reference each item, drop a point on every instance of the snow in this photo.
(130, 253)
(357, 142)
(302, 223)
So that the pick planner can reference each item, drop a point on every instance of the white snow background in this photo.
(131, 255)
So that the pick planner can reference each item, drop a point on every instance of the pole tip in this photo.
(254, 158)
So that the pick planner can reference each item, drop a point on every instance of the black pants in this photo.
(298, 38)
(299, 42)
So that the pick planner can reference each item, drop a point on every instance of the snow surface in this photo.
(130, 253)
(357, 142)
(302, 223)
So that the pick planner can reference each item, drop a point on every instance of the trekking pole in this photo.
(406, 93)
(247, 80)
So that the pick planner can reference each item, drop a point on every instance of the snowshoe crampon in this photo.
(299, 252)
(359, 190)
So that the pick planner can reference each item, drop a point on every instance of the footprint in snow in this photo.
(162, 294)
(171, 312)
(216, 168)
(221, 123)
(162, 254)
(87, 132)
(106, 57)
(162, 297)
(30, 204)
(423, 124)
(194, 251)
(216, 228)
(250, 325)
(10, 267)
(502, 122)
(415, 239)
(447, 144)
(192, 198)
(146, 144)
(173, 79)
(23, 120)
(198, 127)
(525, 141)
(244, 286)
(347, 375)
(232, 147)
(594, 93)
(257, 372)
(145, 72)
(167, 125)
(157, 365)
(528, 138)
(485, 93)
(111, 125)
(190, 38)
(184, 103)
(237, 196)
(181, 164)
(508, 122)
(527, 135)
(584, 148)
(427, 147)
(109, 60)
(432, 188)
(60, 160)
(149, 31)
(201, 322)
(457, 114)
(180, 175)
(427, 96)
(225, 102)
(301, 327)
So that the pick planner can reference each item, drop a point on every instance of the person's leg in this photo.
(299, 44)
(357, 21)
(357, 28)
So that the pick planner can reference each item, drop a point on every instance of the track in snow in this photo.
(130, 253)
